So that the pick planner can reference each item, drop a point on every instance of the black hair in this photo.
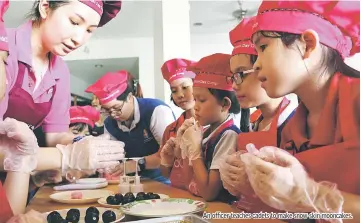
(221, 94)
(133, 87)
(245, 119)
(331, 59)
(253, 58)
(34, 13)
(79, 126)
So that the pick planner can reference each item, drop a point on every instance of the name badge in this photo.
(146, 136)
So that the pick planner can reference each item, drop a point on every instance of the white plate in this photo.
(119, 215)
(89, 196)
(163, 207)
(103, 201)
(91, 181)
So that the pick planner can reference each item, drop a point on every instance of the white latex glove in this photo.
(91, 153)
(281, 182)
(19, 144)
(186, 124)
(191, 142)
(234, 177)
(106, 135)
(29, 217)
(167, 153)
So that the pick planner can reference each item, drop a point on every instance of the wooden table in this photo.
(42, 203)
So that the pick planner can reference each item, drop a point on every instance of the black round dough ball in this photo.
(118, 199)
(153, 196)
(73, 216)
(54, 217)
(141, 194)
(73, 211)
(112, 200)
(108, 216)
(148, 195)
(92, 210)
(156, 196)
(140, 198)
(129, 194)
(127, 200)
(92, 217)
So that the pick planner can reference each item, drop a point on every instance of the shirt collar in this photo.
(136, 118)
(24, 50)
(205, 140)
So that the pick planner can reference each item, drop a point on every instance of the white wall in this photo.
(354, 61)
(119, 48)
(204, 45)
(78, 85)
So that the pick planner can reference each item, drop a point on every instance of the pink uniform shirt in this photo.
(57, 120)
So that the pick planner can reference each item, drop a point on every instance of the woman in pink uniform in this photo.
(38, 80)
(301, 49)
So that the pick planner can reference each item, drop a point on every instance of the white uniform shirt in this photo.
(226, 145)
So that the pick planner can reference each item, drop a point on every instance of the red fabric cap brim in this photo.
(297, 22)
(213, 81)
(185, 74)
(244, 47)
(82, 119)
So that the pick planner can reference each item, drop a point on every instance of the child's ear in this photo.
(226, 104)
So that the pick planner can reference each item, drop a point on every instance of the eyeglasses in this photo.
(240, 76)
(115, 109)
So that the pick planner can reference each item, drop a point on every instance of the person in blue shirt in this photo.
(138, 122)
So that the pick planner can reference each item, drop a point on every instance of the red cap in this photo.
(213, 72)
(84, 114)
(106, 9)
(336, 22)
(177, 68)
(240, 37)
(109, 86)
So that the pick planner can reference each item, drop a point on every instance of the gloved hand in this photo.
(177, 150)
(73, 175)
(186, 124)
(191, 142)
(19, 144)
(91, 153)
(234, 176)
(40, 178)
(29, 217)
(281, 182)
(167, 154)
(179, 153)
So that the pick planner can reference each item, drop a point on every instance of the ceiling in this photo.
(90, 71)
(136, 17)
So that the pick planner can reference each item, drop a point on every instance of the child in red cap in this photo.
(215, 100)
(181, 83)
(301, 49)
